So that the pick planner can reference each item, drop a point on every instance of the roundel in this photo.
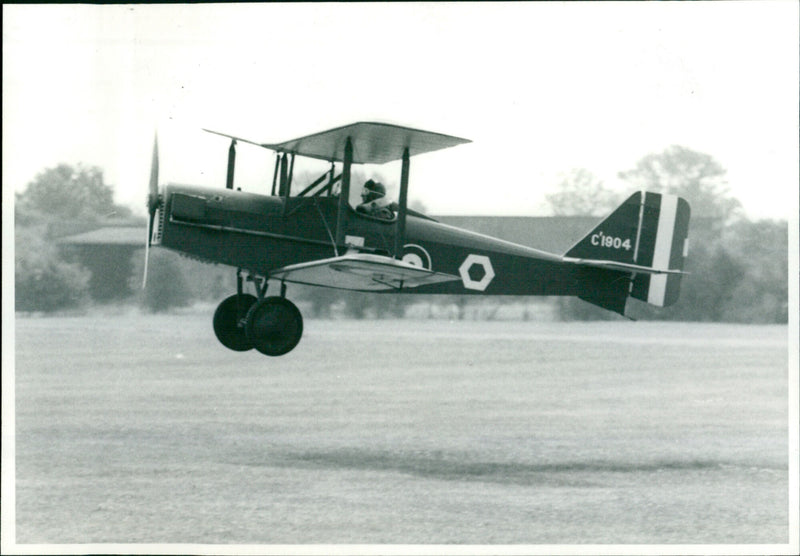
(476, 272)
(416, 255)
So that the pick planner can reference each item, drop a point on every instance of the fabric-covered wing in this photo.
(373, 142)
(360, 271)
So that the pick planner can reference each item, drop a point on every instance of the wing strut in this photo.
(275, 173)
(344, 194)
(286, 180)
(400, 232)
(231, 164)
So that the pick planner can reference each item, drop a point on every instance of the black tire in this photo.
(274, 326)
(227, 323)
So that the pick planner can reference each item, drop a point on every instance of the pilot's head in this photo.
(372, 191)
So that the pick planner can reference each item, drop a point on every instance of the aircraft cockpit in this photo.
(362, 143)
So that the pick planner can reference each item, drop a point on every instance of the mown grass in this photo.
(145, 429)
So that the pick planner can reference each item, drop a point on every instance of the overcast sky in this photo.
(540, 88)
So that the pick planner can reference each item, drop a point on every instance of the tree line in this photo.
(738, 268)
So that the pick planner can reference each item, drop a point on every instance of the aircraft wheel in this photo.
(228, 327)
(274, 326)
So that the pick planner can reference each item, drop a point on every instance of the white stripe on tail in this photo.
(663, 249)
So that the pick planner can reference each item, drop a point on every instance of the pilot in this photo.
(372, 201)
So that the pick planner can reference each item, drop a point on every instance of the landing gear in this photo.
(229, 321)
(273, 325)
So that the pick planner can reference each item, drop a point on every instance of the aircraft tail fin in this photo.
(646, 240)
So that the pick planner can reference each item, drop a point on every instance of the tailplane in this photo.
(643, 242)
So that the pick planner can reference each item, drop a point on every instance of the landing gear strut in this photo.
(272, 325)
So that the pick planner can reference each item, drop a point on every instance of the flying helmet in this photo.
(372, 191)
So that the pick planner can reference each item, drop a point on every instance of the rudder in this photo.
(665, 246)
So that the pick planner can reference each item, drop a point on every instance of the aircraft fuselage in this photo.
(260, 234)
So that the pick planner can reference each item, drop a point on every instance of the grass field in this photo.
(144, 429)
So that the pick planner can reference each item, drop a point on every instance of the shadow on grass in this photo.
(454, 468)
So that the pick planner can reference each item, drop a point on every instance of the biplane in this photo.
(314, 236)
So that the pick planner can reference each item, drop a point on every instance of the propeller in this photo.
(152, 205)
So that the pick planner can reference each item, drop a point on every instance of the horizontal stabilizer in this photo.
(613, 265)
(362, 272)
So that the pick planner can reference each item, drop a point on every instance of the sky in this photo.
(539, 88)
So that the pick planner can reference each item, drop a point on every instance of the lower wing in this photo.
(360, 271)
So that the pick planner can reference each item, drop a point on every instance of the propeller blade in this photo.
(152, 203)
(146, 255)
(154, 168)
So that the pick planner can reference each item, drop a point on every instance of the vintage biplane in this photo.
(314, 236)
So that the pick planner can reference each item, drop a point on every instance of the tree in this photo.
(693, 175)
(721, 284)
(321, 299)
(761, 248)
(575, 309)
(714, 275)
(59, 199)
(67, 193)
(390, 305)
(581, 193)
(167, 287)
(42, 280)
(356, 304)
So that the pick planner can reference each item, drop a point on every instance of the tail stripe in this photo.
(663, 248)
(639, 231)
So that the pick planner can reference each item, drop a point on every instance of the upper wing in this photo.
(373, 142)
(360, 271)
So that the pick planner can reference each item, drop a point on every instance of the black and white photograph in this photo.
(401, 278)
